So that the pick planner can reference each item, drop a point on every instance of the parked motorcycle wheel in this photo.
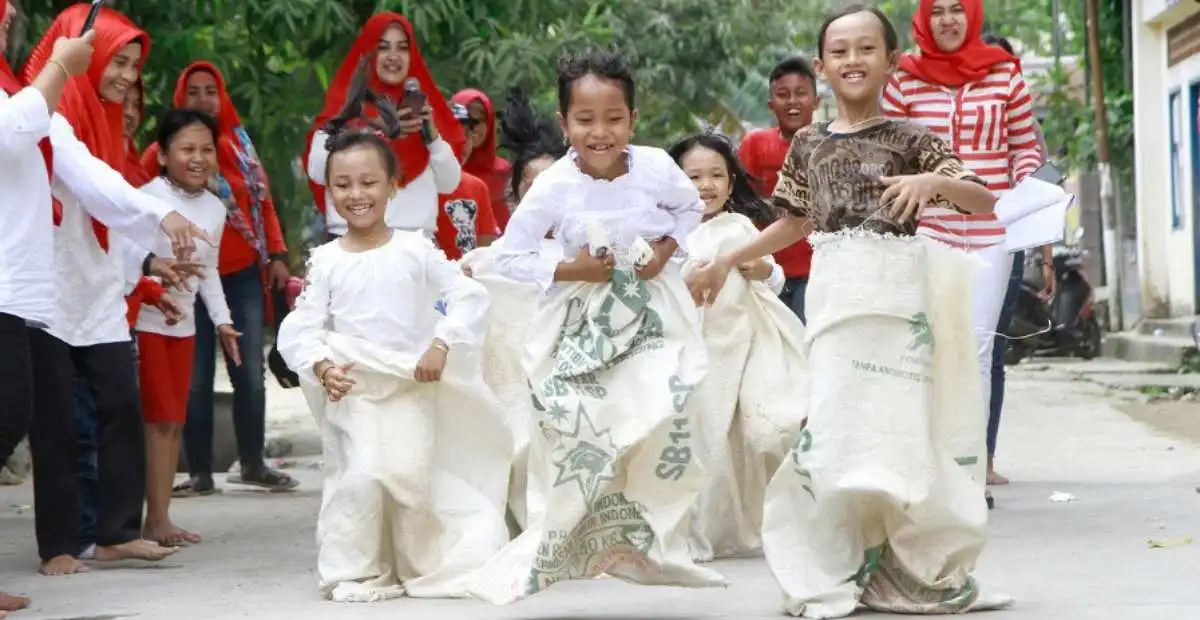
(1090, 344)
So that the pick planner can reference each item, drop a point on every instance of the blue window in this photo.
(1175, 119)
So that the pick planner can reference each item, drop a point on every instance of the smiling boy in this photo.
(793, 98)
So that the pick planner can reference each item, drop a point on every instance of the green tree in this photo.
(278, 56)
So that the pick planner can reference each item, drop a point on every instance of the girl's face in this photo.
(202, 93)
(121, 73)
(477, 126)
(6, 22)
(532, 170)
(599, 125)
(191, 160)
(856, 62)
(949, 24)
(133, 111)
(360, 186)
(708, 171)
(392, 56)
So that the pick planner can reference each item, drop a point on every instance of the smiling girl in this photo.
(749, 405)
(416, 451)
(187, 141)
(618, 354)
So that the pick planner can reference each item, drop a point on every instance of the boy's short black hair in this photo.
(601, 63)
(793, 65)
(891, 40)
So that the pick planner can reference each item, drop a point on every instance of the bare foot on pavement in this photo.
(62, 565)
(146, 550)
(9, 602)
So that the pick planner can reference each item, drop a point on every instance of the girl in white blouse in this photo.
(416, 449)
(617, 353)
(187, 156)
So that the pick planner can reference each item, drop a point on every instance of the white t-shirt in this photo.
(206, 211)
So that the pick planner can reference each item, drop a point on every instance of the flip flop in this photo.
(271, 480)
(187, 488)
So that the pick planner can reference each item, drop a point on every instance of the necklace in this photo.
(183, 191)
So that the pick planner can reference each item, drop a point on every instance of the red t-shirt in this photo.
(762, 153)
(465, 215)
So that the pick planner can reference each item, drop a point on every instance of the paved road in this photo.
(1064, 561)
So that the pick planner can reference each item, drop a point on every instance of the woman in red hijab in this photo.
(387, 49)
(973, 96)
(253, 264)
(89, 337)
(480, 156)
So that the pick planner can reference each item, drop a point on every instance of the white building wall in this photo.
(1166, 242)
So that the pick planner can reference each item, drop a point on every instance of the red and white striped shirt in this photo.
(990, 125)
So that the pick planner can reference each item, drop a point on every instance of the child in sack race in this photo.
(872, 508)
(750, 405)
(393, 384)
(613, 370)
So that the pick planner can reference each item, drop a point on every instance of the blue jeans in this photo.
(244, 294)
(793, 295)
(86, 464)
(1001, 345)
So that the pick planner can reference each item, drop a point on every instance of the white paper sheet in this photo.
(1035, 213)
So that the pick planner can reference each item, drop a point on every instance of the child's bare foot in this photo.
(146, 550)
(996, 480)
(170, 535)
(62, 565)
(9, 602)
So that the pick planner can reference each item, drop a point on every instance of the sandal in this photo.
(266, 478)
(196, 486)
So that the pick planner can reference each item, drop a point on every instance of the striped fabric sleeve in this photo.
(892, 103)
(1023, 152)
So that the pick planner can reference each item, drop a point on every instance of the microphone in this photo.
(416, 103)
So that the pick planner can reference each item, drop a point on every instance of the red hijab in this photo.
(970, 62)
(11, 86)
(410, 150)
(483, 161)
(227, 122)
(97, 123)
(133, 170)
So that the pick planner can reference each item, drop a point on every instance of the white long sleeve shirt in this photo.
(415, 206)
(27, 276)
(206, 211)
(91, 282)
(654, 199)
(385, 295)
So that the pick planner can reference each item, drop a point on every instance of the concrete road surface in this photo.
(1086, 559)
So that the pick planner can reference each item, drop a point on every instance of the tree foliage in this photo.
(697, 61)
(279, 55)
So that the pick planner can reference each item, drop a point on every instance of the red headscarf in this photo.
(11, 85)
(410, 150)
(970, 62)
(483, 161)
(97, 123)
(133, 170)
(227, 122)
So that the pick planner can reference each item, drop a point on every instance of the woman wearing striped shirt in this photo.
(974, 97)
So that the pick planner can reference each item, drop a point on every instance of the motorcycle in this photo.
(1064, 326)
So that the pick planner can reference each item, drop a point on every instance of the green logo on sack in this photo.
(922, 333)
